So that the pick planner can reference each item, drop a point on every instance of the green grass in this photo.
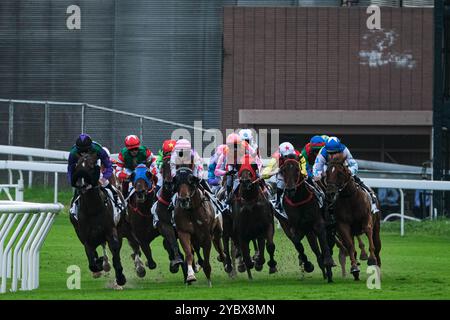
(415, 266)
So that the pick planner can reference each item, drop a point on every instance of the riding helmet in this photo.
(84, 142)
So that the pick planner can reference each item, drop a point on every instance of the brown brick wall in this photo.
(309, 58)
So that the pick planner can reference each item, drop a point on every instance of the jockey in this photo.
(166, 151)
(250, 146)
(213, 179)
(285, 151)
(227, 163)
(83, 145)
(311, 150)
(334, 146)
(132, 155)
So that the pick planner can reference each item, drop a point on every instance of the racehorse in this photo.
(352, 211)
(95, 224)
(253, 219)
(165, 223)
(139, 212)
(196, 223)
(305, 216)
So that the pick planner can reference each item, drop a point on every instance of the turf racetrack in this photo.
(414, 267)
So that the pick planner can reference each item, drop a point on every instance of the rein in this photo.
(135, 209)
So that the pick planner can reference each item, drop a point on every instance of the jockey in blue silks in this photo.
(335, 146)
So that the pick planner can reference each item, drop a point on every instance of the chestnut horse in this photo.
(196, 223)
(352, 212)
(305, 216)
(253, 219)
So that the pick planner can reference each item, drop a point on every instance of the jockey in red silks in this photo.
(132, 155)
(250, 146)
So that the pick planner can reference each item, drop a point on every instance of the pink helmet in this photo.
(222, 149)
(182, 144)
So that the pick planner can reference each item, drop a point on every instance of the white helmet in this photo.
(246, 134)
(286, 149)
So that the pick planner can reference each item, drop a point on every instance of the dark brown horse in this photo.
(196, 223)
(165, 218)
(253, 219)
(95, 224)
(352, 211)
(305, 216)
(139, 213)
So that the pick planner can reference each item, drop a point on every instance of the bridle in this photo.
(300, 178)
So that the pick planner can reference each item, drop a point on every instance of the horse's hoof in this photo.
(174, 269)
(106, 267)
(151, 265)
(355, 272)
(140, 272)
(308, 266)
(273, 270)
(197, 267)
(117, 287)
(220, 258)
(259, 267)
(121, 280)
(371, 261)
(96, 275)
(363, 256)
(228, 268)
(241, 268)
(191, 278)
(330, 280)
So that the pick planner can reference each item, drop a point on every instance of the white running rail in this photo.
(19, 257)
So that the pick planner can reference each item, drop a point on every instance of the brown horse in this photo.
(253, 219)
(196, 223)
(352, 211)
(305, 216)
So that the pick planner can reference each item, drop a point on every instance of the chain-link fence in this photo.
(56, 125)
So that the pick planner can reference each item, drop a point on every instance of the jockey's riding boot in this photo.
(373, 197)
(117, 202)
(205, 186)
(74, 205)
(278, 200)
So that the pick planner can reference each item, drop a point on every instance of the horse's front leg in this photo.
(115, 244)
(218, 245)
(259, 259)
(363, 254)
(166, 229)
(185, 239)
(206, 263)
(95, 265)
(372, 261)
(270, 246)
(328, 262)
(347, 239)
(245, 251)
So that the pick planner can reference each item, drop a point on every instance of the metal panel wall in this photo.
(326, 58)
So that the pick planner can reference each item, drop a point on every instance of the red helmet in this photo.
(132, 142)
(168, 146)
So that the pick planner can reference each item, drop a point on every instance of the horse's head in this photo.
(337, 177)
(290, 170)
(86, 172)
(186, 184)
(247, 169)
(143, 184)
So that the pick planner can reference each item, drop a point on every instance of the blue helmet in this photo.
(334, 145)
(317, 142)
